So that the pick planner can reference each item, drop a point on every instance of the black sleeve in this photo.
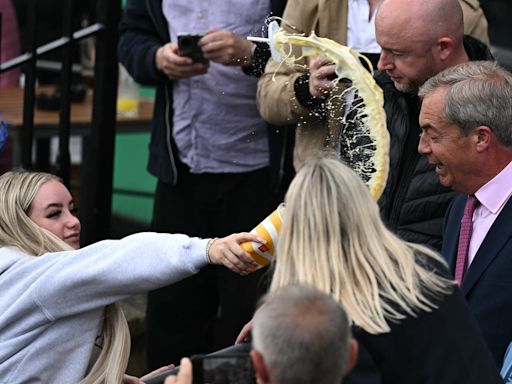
(138, 42)
(260, 58)
(301, 88)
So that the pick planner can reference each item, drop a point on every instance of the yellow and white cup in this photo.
(269, 229)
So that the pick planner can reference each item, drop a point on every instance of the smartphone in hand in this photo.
(188, 45)
(234, 368)
(236, 359)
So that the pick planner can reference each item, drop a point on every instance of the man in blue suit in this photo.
(466, 132)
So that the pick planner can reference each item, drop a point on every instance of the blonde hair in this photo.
(333, 239)
(17, 191)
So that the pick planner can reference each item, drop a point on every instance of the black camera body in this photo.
(232, 368)
(188, 45)
(236, 359)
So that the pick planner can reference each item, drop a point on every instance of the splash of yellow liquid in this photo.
(348, 66)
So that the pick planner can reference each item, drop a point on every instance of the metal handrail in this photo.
(51, 46)
(97, 167)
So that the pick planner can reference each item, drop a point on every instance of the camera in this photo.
(233, 362)
(234, 368)
(188, 45)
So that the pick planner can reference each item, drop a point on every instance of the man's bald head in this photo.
(419, 38)
(422, 19)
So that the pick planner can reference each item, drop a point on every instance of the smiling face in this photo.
(53, 209)
(453, 154)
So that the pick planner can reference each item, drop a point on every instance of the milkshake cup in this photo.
(269, 230)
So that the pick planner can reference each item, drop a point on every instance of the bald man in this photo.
(418, 39)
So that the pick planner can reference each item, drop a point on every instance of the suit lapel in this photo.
(498, 235)
(451, 231)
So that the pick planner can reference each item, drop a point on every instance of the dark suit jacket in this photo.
(487, 285)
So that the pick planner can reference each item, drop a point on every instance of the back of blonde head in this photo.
(17, 191)
(333, 238)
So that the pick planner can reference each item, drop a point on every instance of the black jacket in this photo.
(143, 30)
(413, 203)
(443, 346)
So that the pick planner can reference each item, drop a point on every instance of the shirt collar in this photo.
(496, 192)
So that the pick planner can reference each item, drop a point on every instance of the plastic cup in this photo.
(127, 106)
(269, 229)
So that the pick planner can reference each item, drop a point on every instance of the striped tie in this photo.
(466, 229)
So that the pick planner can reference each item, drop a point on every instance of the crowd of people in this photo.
(413, 288)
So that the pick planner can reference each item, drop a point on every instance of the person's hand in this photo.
(127, 379)
(228, 252)
(184, 375)
(319, 69)
(244, 333)
(176, 67)
(226, 48)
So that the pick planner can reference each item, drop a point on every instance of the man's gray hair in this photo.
(478, 93)
(303, 335)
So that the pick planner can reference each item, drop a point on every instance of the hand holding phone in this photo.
(242, 356)
(188, 45)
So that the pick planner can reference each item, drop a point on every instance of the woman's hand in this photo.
(184, 375)
(244, 334)
(228, 252)
(127, 379)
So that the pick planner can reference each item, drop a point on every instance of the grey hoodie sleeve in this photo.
(108, 271)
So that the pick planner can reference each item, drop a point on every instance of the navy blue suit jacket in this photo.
(487, 284)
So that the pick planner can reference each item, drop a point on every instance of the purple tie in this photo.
(466, 228)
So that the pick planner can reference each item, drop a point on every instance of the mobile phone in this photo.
(238, 350)
(188, 45)
(234, 368)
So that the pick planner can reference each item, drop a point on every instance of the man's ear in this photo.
(260, 367)
(483, 136)
(353, 351)
(445, 47)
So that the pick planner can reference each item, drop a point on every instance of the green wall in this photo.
(131, 156)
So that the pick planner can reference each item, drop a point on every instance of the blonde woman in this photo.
(407, 314)
(58, 320)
